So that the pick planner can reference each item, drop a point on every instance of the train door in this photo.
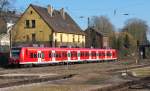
(49, 56)
(40, 56)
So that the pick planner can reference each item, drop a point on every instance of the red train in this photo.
(33, 55)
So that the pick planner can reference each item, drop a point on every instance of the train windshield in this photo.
(15, 52)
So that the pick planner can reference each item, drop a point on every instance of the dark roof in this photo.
(96, 30)
(57, 22)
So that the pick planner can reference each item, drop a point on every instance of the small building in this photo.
(45, 26)
(95, 38)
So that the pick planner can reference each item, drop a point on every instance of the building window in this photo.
(73, 38)
(33, 37)
(61, 37)
(33, 23)
(27, 23)
(50, 38)
(31, 12)
(78, 38)
(27, 37)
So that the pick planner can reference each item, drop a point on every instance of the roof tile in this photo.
(57, 22)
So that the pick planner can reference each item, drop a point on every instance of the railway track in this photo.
(130, 84)
(35, 80)
(129, 68)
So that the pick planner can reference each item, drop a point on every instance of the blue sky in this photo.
(88, 8)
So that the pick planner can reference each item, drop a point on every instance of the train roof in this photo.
(52, 48)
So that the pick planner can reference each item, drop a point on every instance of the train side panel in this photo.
(31, 55)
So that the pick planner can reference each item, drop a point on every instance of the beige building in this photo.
(40, 26)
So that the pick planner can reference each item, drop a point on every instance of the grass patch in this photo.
(95, 81)
(51, 87)
(142, 72)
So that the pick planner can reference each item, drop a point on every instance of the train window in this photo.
(64, 54)
(31, 55)
(86, 54)
(103, 54)
(50, 54)
(97, 54)
(69, 54)
(78, 54)
(82, 54)
(15, 52)
(108, 54)
(93, 53)
(34, 55)
(73, 54)
(58, 55)
(39, 55)
(100, 54)
(42, 55)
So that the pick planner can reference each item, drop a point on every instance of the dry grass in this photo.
(52, 87)
(142, 72)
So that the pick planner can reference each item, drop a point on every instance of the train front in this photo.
(14, 55)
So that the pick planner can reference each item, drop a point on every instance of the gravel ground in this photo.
(87, 76)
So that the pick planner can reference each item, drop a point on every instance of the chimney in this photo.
(50, 10)
(62, 12)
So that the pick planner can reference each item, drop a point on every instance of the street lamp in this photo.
(9, 32)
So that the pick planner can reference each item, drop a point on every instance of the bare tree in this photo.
(3, 5)
(103, 24)
(6, 5)
(7, 16)
(137, 28)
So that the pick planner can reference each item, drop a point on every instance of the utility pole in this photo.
(10, 43)
(9, 29)
(88, 22)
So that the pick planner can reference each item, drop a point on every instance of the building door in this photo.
(33, 37)
(50, 40)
